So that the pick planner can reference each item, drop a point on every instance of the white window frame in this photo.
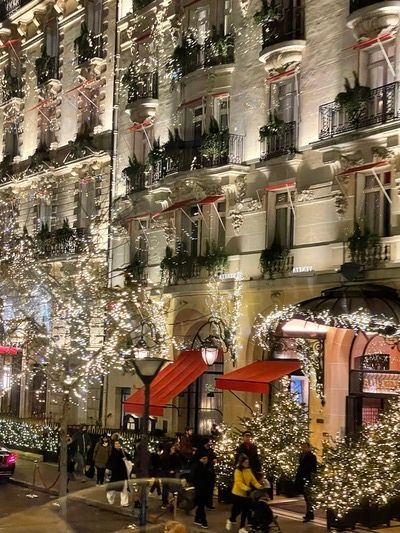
(372, 187)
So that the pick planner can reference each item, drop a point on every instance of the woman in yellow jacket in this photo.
(243, 482)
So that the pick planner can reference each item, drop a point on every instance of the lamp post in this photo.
(147, 368)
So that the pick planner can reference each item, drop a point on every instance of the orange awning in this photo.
(169, 383)
(186, 203)
(257, 376)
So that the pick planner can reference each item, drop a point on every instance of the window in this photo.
(89, 108)
(11, 142)
(191, 222)
(376, 204)
(378, 70)
(221, 112)
(51, 38)
(140, 243)
(94, 16)
(198, 20)
(47, 123)
(87, 202)
(221, 231)
(286, 93)
(198, 121)
(227, 16)
(284, 220)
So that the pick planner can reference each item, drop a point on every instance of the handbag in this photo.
(89, 472)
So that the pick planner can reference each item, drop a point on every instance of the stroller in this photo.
(262, 518)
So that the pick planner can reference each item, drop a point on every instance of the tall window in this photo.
(221, 112)
(221, 231)
(191, 230)
(198, 121)
(284, 220)
(94, 16)
(89, 102)
(89, 194)
(378, 70)
(286, 94)
(11, 141)
(199, 21)
(227, 16)
(47, 123)
(376, 204)
(51, 38)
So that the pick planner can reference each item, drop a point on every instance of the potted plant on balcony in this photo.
(273, 260)
(218, 47)
(133, 174)
(10, 85)
(275, 126)
(269, 12)
(215, 144)
(364, 248)
(6, 167)
(135, 270)
(85, 45)
(184, 58)
(214, 260)
(45, 67)
(82, 144)
(65, 233)
(354, 100)
(129, 79)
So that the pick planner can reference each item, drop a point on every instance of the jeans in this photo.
(240, 506)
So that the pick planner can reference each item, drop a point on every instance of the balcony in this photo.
(355, 5)
(8, 7)
(289, 28)
(57, 245)
(382, 108)
(283, 41)
(369, 257)
(181, 156)
(370, 18)
(46, 69)
(136, 183)
(144, 86)
(374, 381)
(10, 87)
(282, 142)
(88, 46)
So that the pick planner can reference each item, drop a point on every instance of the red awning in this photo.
(9, 350)
(185, 203)
(169, 383)
(369, 42)
(210, 199)
(278, 186)
(257, 376)
(363, 168)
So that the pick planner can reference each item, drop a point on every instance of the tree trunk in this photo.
(63, 482)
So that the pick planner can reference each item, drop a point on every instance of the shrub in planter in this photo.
(64, 233)
(133, 172)
(215, 143)
(364, 247)
(354, 100)
(270, 12)
(275, 126)
(156, 154)
(218, 47)
(214, 260)
(184, 57)
(134, 271)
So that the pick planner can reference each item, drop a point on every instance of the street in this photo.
(21, 514)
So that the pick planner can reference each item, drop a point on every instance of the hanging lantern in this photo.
(209, 354)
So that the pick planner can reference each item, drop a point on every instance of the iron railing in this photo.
(208, 56)
(382, 107)
(188, 156)
(374, 381)
(282, 143)
(53, 247)
(145, 86)
(288, 28)
(139, 4)
(136, 183)
(280, 267)
(10, 88)
(89, 48)
(46, 69)
(8, 7)
(359, 4)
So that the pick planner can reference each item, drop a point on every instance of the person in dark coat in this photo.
(119, 474)
(101, 455)
(71, 453)
(170, 466)
(212, 460)
(203, 479)
(156, 470)
(83, 443)
(248, 448)
(305, 473)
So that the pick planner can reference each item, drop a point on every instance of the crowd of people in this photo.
(189, 461)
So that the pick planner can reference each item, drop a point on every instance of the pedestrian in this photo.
(243, 482)
(170, 466)
(305, 473)
(202, 481)
(119, 474)
(212, 461)
(101, 455)
(83, 443)
(71, 453)
(187, 450)
(156, 470)
(215, 433)
(248, 448)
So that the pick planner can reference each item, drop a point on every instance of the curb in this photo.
(104, 506)
(27, 485)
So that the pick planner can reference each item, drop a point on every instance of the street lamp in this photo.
(146, 367)
(212, 338)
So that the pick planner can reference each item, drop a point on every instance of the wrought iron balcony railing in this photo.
(46, 69)
(53, 247)
(359, 4)
(10, 88)
(145, 86)
(374, 381)
(288, 28)
(136, 183)
(90, 47)
(282, 143)
(8, 7)
(382, 107)
(190, 155)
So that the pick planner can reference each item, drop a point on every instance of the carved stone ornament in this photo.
(341, 204)
(379, 153)
(287, 58)
(349, 161)
(306, 195)
(374, 20)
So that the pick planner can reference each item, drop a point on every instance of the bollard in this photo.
(175, 505)
(33, 494)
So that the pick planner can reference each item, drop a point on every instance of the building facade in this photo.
(217, 129)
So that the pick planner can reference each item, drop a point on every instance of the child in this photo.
(262, 516)
(202, 480)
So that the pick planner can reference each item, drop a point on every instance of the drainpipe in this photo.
(103, 406)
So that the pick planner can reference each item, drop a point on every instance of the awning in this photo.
(363, 168)
(169, 383)
(186, 203)
(9, 350)
(279, 186)
(257, 376)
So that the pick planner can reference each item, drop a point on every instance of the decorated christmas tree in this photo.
(278, 434)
